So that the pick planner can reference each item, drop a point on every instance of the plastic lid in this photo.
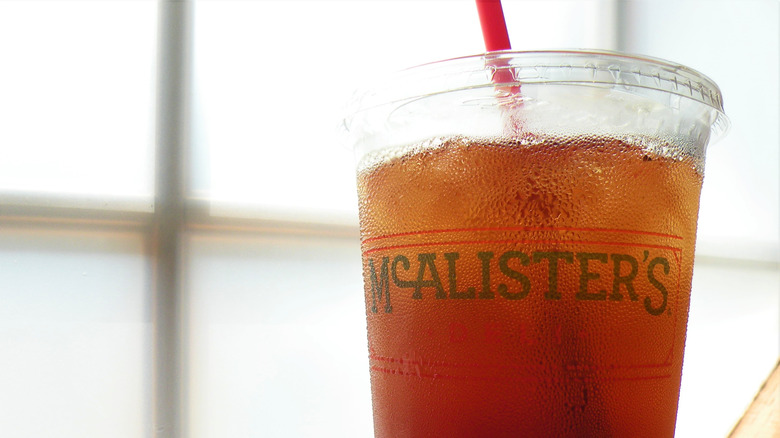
(655, 78)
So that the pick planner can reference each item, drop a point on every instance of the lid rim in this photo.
(675, 75)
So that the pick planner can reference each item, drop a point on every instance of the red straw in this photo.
(491, 18)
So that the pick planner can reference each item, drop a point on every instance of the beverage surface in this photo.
(528, 287)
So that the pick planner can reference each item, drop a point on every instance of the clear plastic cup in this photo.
(528, 224)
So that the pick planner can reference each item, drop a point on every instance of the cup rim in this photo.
(580, 67)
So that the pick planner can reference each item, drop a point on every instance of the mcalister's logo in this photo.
(598, 276)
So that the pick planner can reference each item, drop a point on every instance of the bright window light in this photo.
(77, 97)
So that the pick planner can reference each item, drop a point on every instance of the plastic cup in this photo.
(528, 256)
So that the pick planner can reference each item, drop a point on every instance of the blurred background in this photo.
(179, 251)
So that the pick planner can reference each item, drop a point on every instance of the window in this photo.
(179, 253)
(76, 195)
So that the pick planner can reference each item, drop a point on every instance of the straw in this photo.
(491, 18)
(494, 32)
